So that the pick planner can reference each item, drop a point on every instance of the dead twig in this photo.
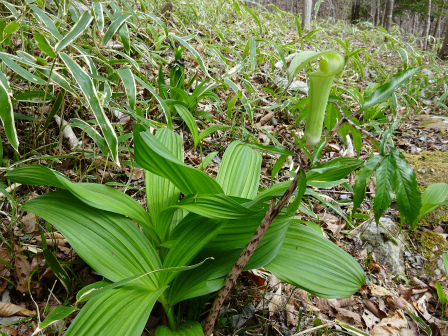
(267, 220)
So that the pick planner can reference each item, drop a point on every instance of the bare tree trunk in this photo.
(356, 7)
(306, 14)
(378, 13)
(437, 29)
(388, 15)
(444, 50)
(426, 31)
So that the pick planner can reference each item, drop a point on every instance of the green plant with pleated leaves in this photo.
(186, 247)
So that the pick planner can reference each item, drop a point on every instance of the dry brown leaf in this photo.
(369, 319)
(5, 272)
(267, 118)
(276, 301)
(349, 317)
(406, 293)
(292, 319)
(9, 309)
(375, 308)
(23, 269)
(390, 326)
(9, 331)
(348, 302)
(29, 223)
(327, 305)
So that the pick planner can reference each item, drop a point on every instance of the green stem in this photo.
(168, 311)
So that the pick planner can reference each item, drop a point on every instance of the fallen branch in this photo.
(267, 220)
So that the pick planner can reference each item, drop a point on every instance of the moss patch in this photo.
(432, 246)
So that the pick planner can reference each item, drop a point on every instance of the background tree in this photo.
(306, 14)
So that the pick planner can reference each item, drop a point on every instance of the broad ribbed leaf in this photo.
(127, 77)
(76, 30)
(433, 196)
(7, 116)
(225, 248)
(359, 190)
(110, 243)
(409, 199)
(152, 155)
(386, 90)
(309, 261)
(87, 87)
(190, 328)
(123, 311)
(385, 186)
(160, 192)
(95, 195)
(114, 27)
(239, 173)
(333, 170)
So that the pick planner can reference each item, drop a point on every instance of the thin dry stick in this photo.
(268, 218)
(346, 119)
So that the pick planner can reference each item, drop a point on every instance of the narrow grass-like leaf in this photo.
(57, 269)
(55, 315)
(212, 129)
(123, 32)
(386, 90)
(194, 52)
(409, 199)
(189, 120)
(98, 13)
(309, 261)
(56, 106)
(113, 28)
(47, 22)
(127, 77)
(43, 45)
(87, 87)
(7, 116)
(77, 30)
(21, 71)
(162, 103)
(363, 177)
(386, 183)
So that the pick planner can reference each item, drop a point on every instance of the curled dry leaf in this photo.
(349, 317)
(375, 308)
(9, 331)
(23, 269)
(390, 326)
(9, 309)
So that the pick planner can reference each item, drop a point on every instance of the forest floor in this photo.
(389, 304)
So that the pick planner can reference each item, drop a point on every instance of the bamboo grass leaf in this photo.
(194, 52)
(127, 77)
(21, 71)
(87, 87)
(47, 22)
(98, 13)
(76, 30)
(113, 28)
(7, 117)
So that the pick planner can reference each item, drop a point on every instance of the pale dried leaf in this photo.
(276, 301)
(369, 319)
(390, 326)
(378, 290)
(23, 269)
(349, 317)
(9, 309)
(292, 319)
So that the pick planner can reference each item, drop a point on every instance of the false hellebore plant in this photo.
(185, 248)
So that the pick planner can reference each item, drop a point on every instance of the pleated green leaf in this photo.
(122, 311)
(127, 78)
(309, 261)
(189, 328)
(114, 27)
(95, 195)
(239, 173)
(160, 192)
(7, 116)
(76, 30)
(87, 87)
(153, 156)
(110, 243)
